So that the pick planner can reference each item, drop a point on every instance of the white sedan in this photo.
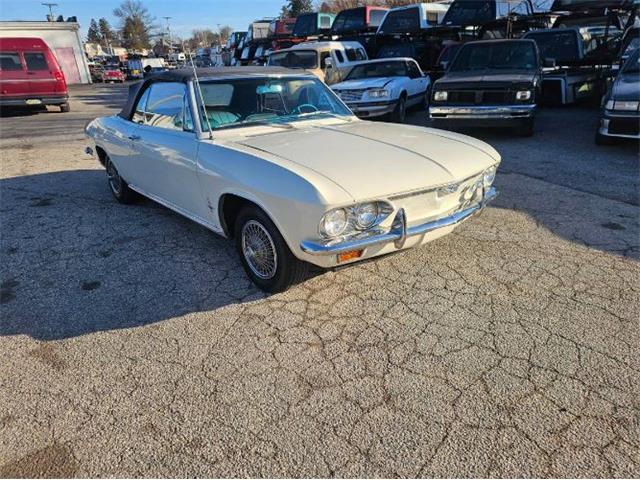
(385, 87)
(272, 159)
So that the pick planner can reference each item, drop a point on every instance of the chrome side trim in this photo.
(179, 210)
(398, 233)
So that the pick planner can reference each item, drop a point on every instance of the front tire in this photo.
(400, 113)
(603, 140)
(64, 108)
(265, 255)
(119, 188)
(525, 128)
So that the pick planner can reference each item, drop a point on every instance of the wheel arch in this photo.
(102, 155)
(229, 206)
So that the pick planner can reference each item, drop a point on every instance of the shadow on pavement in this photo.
(74, 261)
(25, 111)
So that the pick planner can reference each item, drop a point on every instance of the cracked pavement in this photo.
(132, 343)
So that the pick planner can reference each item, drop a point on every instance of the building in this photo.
(64, 40)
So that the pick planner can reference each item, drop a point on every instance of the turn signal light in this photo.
(350, 255)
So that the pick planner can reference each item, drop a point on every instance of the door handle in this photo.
(134, 137)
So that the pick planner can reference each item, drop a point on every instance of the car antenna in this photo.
(204, 107)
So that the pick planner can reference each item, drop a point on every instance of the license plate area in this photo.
(33, 101)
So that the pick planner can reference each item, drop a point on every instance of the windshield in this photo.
(378, 69)
(478, 12)
(632, 65)
(633, 44)
(255, 101)
(560, 46)
(294, 59)
(516, 55)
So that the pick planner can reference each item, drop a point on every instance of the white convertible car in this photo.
(385, 86)
(274, 160)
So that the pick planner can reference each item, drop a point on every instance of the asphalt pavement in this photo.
(132, 344)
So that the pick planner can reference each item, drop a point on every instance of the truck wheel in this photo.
(525, 129)
(604, 139)
(119, 188)
(400, 113)
(64, 108)
(265, 256)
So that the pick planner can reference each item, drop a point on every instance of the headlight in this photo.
(440, 96)
(377, 93)
(627, 106)
(523, 95)
(489, 176)
(351, 220)
(609, 105)
(334, 223)
(366, 215)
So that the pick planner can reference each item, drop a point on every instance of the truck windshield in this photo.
(294, 59)
(478, 12)
(560, 46)
(268, 100)
(632, 65)
(499, 56)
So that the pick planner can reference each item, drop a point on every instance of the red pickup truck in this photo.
(30, 74)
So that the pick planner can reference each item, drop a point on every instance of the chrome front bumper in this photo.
(372, 109)
(481, 111)
(398, 233)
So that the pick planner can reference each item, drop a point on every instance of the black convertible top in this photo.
(186, 74)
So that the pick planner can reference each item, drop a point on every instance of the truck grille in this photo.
(624, 126)
(481, 97)
(350, 95)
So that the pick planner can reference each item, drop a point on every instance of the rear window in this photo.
(376, 17)
(355, 55)
(10, 61)
(401, 21)
(35, 61)
(349, 20)
(305, 25)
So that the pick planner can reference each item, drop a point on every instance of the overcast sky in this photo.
(186, 14)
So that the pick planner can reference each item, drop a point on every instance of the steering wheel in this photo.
(310, 108)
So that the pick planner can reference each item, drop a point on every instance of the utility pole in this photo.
(168, 31)
(50, 5)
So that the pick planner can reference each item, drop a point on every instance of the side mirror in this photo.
(444, 64)
(328, 63)
(549, 62)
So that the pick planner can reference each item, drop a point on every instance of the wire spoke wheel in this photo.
(259, 250)
(114, 179)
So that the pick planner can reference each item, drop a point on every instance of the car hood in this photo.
(626, 87)
(373, 160)
(494, 78)
(379, 82)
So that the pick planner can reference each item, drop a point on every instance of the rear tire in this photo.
(264, 254)
(64, 108)
(119, 188)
